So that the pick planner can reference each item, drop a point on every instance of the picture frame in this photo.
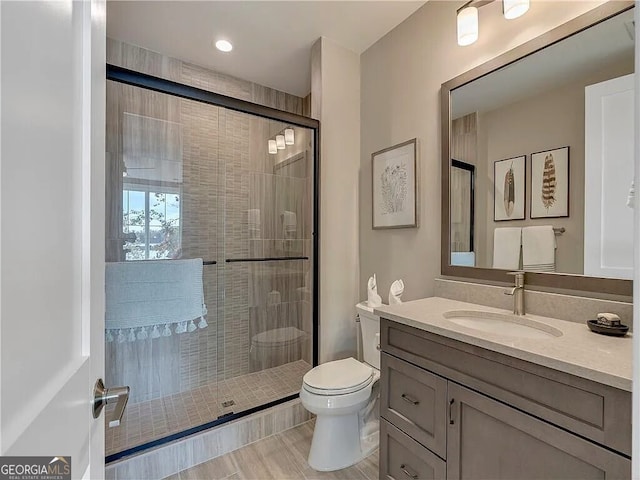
(509, 189)
(550, 183)
(394, 187)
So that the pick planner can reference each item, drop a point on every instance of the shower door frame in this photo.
(169, 87)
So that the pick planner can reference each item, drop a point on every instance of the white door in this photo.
(52, 101)
(608, 222)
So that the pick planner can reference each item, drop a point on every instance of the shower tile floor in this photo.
(147, 421)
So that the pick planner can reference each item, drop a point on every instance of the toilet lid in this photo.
(338, 377)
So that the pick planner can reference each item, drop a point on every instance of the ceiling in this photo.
(272, 40)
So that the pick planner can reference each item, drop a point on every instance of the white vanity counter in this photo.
(578, 351)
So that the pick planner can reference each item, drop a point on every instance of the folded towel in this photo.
(463, 259)
(395, 292)
(373, 299)
(539, 249)
(506, 247)
(146, 298)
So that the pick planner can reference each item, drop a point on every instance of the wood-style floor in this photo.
(279, 457)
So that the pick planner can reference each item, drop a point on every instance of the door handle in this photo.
(106, 396)
(409, 399)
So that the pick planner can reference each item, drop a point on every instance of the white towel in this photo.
(373, 299)
(395, 292)
(463, 259)
(506, 248)
(539, 249)
(147, 298)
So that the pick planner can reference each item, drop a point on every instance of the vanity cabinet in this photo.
(452, 410)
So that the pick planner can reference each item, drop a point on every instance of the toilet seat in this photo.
(339, 377)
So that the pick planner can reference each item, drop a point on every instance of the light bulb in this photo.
(224, 46)
(273, 149)
(289, 136)
(514, 8)
(280, 142)
(467, 21)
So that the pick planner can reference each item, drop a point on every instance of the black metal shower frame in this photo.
(157, 84)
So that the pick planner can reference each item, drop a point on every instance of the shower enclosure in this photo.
(196, 175)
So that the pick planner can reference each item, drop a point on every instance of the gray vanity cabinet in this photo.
(487, 439)
(452, 410)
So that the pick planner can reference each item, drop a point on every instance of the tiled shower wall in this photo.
(224, 159)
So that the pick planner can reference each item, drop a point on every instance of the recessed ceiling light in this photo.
(224, 46)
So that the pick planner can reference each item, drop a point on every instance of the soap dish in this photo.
(615, 330)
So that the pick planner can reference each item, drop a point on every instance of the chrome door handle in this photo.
(106, 396)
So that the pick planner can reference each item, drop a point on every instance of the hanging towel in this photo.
(145, 299)
(506, 248)
(373, 299)
(463, 259)
(539, 249)
(395, 292)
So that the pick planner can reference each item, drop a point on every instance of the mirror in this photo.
(538, 159)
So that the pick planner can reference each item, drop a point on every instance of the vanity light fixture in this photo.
(280, 142)
(514, 8)
(467, 17)
(289, 136)
(467, 26)
(224, 46)
(273, 148)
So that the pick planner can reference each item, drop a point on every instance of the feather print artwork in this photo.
(509, 191)
(549, 182)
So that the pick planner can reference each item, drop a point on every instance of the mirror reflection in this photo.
(542, 159)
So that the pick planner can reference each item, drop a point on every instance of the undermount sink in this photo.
(502, 324)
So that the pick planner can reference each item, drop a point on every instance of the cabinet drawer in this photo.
(595, 411)
(415, 401)
(402, 458)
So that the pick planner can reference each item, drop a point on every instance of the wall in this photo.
(226, 171)
(401, 75)
(335, 101)
(550, 120)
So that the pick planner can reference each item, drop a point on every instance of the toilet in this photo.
(343, 395)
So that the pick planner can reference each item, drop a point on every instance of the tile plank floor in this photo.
(279, 457)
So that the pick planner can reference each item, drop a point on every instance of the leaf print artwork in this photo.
(509, 191)
(548, 182)
(393, 181)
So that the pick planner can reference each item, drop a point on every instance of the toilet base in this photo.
(336, 443)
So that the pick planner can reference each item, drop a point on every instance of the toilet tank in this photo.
(370, 331)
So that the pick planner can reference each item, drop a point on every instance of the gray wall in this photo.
(401, 75)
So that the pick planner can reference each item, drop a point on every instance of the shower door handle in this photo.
(106, 396)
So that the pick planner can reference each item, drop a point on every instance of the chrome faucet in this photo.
(517, 292)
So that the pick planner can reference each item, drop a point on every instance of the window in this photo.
(151, 222)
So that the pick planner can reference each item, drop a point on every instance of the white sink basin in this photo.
(508, 325)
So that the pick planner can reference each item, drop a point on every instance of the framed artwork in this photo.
(394, 186)
(550, 183)
(509, 188)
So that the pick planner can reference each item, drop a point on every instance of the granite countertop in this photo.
(580, 352)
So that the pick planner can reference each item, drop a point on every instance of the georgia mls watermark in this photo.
(35, 468)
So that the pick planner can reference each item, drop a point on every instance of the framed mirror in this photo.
(537, 159)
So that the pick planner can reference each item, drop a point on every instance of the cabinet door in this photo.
(402, 458)
(415, 401)
(487, 439)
